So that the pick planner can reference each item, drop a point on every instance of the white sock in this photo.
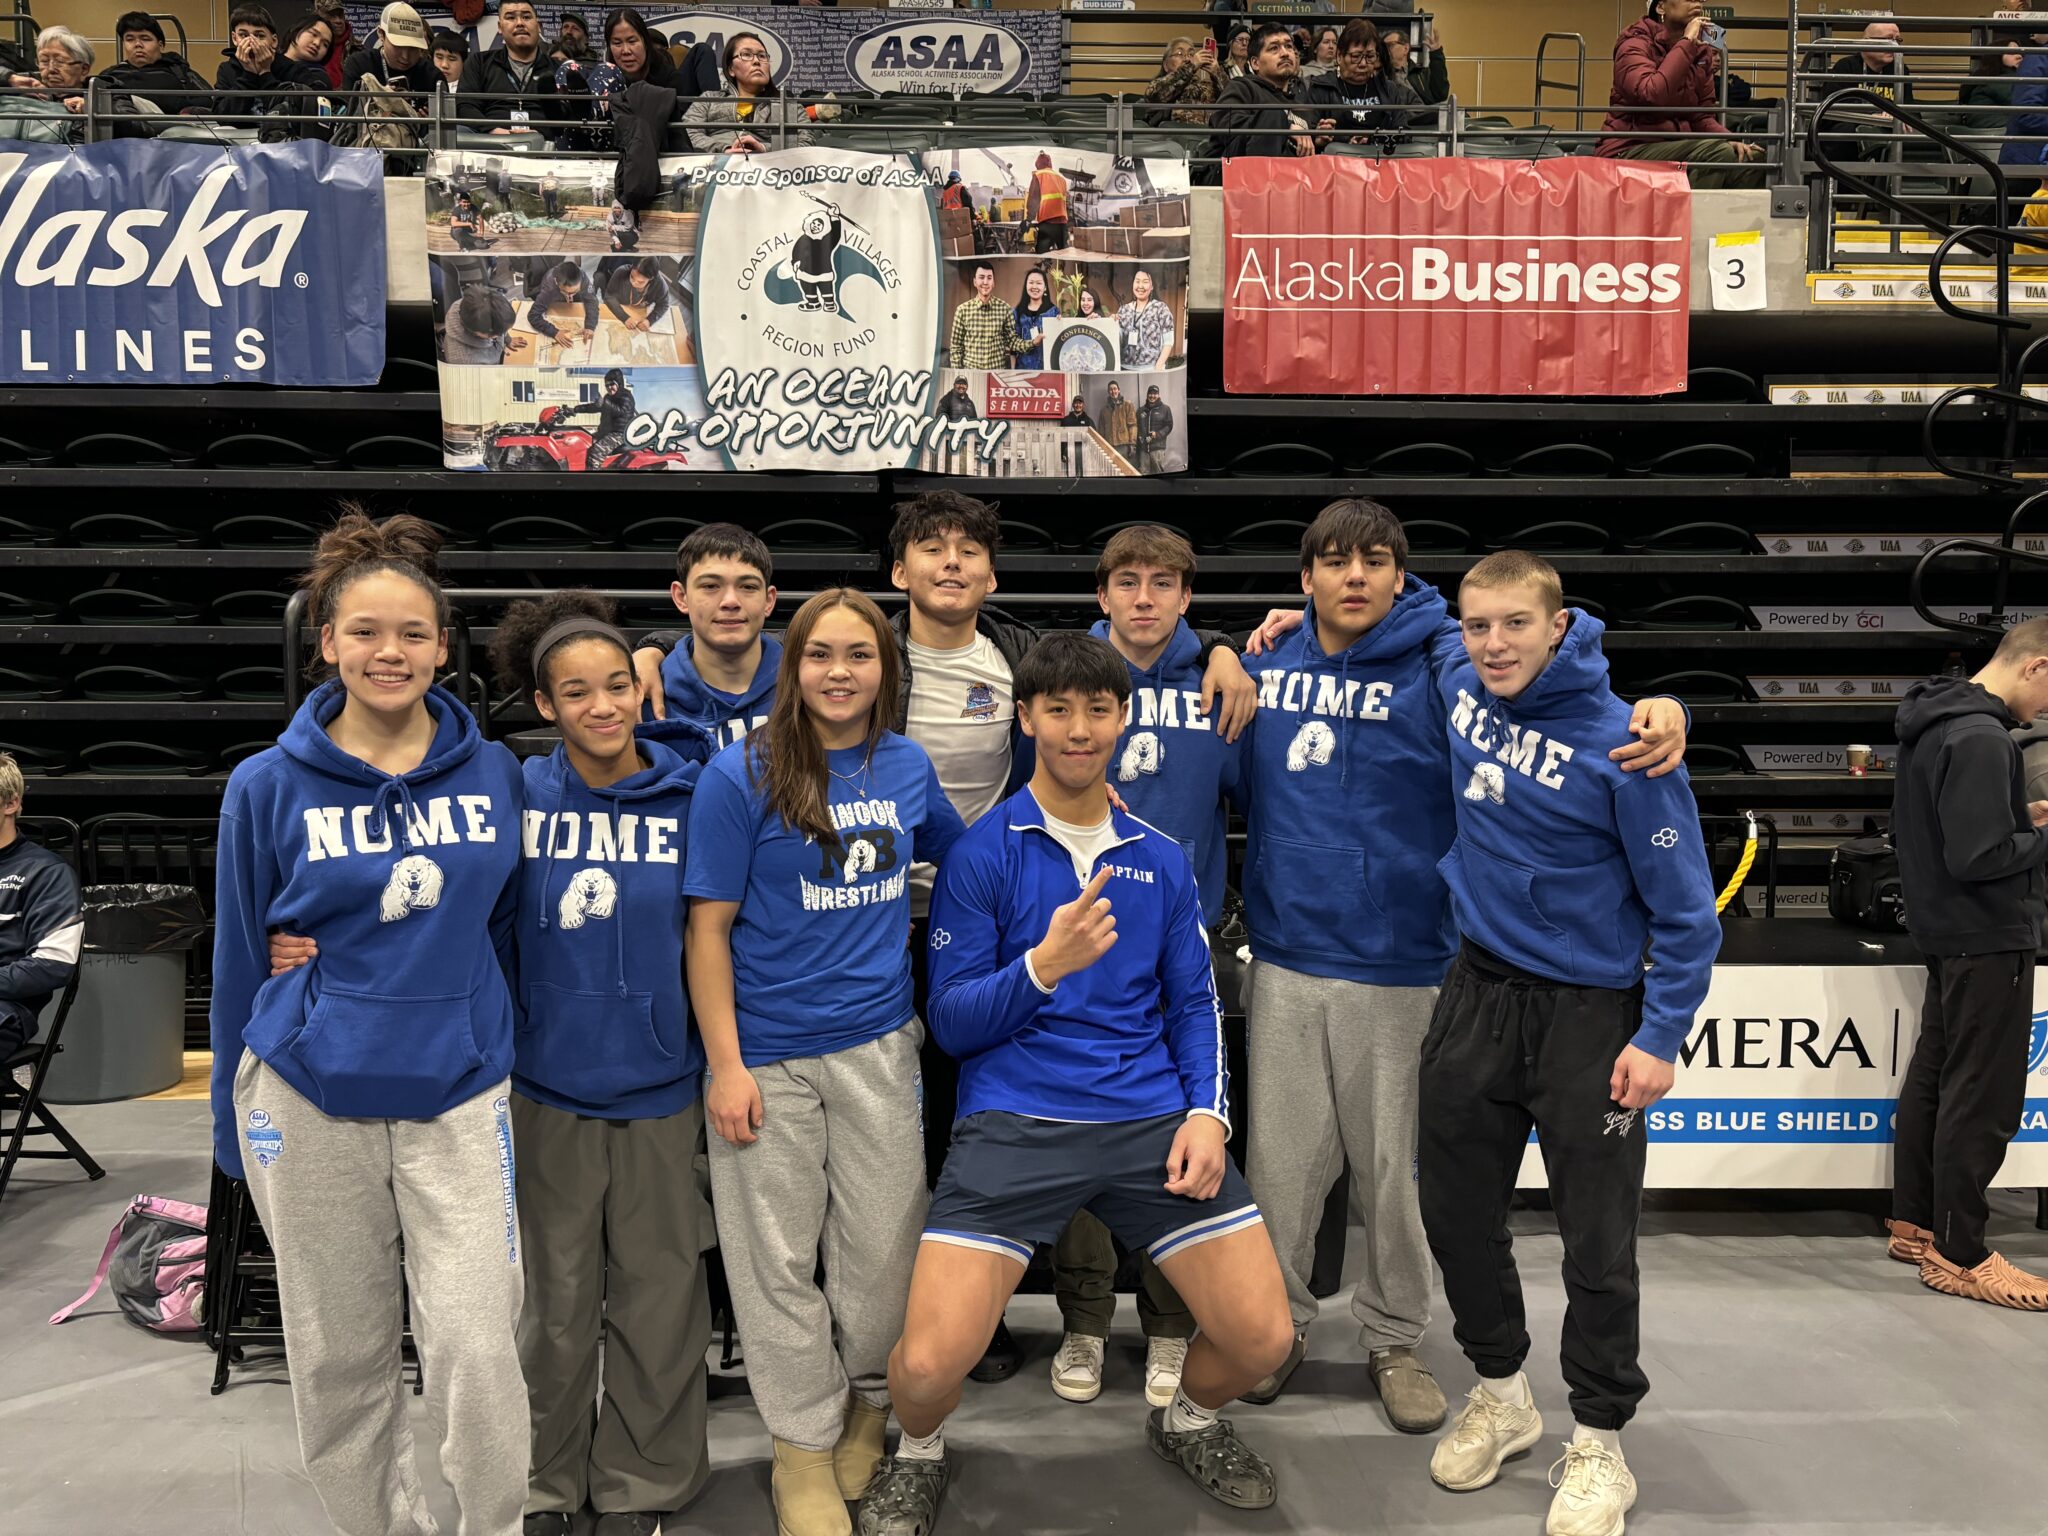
(1512, 1390)
(931, 1448)
(1611, 1438)
(1186, 1414)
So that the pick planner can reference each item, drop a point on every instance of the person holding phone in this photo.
(1189, 77)
(1664, 99)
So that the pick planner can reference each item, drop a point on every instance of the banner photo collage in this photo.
(991, 312)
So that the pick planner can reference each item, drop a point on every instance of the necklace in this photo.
(858, 784)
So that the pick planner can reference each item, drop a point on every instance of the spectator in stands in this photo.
(63, 64)
(639, 286)
(1237, 62)
(254, 80)
(1077, 414)
(1988, 92)
(397, 55)
(1045, 206)
(1155, 427)
(1147, 325)
(331, 12)
(1034, 308)
(307, 43)
(2030, 121)
(956, 404)
(1189, 76)
(146, 67)
(40, 926)
(1880, 68)
(1431, 81)
(565, 285)
(1322, 58)
(449, 51)
(516, 71)
(1264, 112)
(476, 327)
(573, 37)
(631, 45)
(1355, 102)
(742, 115)
(1120, 425)
(1662, 67)
(984, 330)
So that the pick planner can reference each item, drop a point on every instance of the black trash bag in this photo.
(141, 919)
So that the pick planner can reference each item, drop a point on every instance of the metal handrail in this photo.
(2003, 554)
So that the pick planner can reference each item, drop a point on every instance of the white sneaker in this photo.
(1485, 1433)
(1077, 1368)
(1163, 1361)
(1595, 1491)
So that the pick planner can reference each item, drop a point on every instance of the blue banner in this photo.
(144, 263)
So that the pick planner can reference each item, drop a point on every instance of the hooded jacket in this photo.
(239, 92)
(1655, 70)
(721, 718)
(604, 1023)
(170, 72)
(1970, 858)
(1347, 772)
(406, 883)
(1564, 865)
(1172, 768)
(1251, 118)
(420, 78)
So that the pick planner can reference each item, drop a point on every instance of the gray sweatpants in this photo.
(837, 1174)
(614, 1221)
(336, 1196)
(1334, 1068)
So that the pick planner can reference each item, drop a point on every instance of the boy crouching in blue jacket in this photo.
(1589, 935)
(1070, 974)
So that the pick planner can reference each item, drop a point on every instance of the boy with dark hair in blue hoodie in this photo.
(1589, 935)
(717, 676)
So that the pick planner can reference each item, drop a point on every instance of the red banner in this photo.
(1347, 276)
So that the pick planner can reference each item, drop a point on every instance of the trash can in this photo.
(126, 1033)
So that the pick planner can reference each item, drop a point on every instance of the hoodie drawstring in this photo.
(1344, 693)
(407, 810)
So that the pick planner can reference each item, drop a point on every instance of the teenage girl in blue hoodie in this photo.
(801, 842)
(366, 1096)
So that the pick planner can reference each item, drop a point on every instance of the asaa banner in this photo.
(138, 262)
(974, 313)
(1350, 276)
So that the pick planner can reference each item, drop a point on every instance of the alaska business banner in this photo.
(1790, 1078)
(144, 263)
(1350, 276)
(995, 312)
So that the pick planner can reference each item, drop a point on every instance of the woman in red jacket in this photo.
(1664, 73)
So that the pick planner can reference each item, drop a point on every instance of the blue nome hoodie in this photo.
(405, 883)
(604, 1024)
(1136, 1035)
(723, 717)
(1172, 767)
(1346, 778)
(1564, 865)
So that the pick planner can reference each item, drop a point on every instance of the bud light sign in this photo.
(144, 263)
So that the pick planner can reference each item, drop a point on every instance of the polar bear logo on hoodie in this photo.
(414, 886)
(860, 859)
(1489, 782)
(1141, 755)
(592, 893)
(1312, 746)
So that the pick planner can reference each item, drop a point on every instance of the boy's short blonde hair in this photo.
(1514, 568)
(11, 786)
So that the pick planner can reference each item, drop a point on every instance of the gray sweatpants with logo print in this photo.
(836, 1174)
(336, 1196)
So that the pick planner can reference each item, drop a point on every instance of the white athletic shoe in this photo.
(1595, 1491)
(1163, 1361)
(1077, 1368)
(1485, 1433)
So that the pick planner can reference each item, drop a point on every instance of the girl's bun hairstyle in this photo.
(358, 546)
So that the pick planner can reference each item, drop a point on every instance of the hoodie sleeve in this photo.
(977, 1002)
(1972, 796)
(1659, 824)
(244, 883)
(1192, 1011)
(1446, 649)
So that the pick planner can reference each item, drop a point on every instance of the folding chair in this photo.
(31, 1117)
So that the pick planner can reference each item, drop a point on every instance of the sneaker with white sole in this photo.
(1077, 1368)
(1485, 1433)
(1164, 1360)
(1595, 1491)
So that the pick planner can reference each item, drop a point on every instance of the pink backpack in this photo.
(157, 1257)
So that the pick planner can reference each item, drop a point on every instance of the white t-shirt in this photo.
(961, 713)
(1084, 845)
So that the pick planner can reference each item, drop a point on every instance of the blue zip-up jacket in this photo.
(1173, 768)
(1348, 816)
(604, 1025)
(1566, 866)
(723, 717)
(2030, 91)
(406, 884)
(1136, 1035)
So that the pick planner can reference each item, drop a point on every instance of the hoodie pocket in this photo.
(1506, 893)
(1304, 895)
(387, 1058)
(593, 1047)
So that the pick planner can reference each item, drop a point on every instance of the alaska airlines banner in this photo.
(1790, 1078)
(815, 48)
(143, 263)
(989, 312)
(1454, 277)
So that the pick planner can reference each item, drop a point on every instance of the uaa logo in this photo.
(2037, 1043)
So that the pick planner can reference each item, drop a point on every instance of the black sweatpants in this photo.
(1963, 1095)
(1506, 1051)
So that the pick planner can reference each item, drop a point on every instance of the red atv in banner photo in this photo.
(555, 443)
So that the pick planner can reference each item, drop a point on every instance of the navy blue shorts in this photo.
(1012, 1182)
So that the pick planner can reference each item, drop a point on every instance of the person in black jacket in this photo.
(565, 284)
(1358, 99)
(254, 78)
(40, 926)
(517, 68)
(1155, 430)
(1972, 853)
(1266, 111)
(615, 411)
(145, 67)
(396, 56)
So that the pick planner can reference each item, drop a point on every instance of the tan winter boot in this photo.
(858, 1455)
(807, 1501)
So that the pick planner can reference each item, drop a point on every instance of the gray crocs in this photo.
(903, 1500)
(1219, 1463)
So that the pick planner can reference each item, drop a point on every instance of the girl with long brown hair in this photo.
(799, 851)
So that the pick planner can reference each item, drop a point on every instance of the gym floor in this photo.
(1801, 1384)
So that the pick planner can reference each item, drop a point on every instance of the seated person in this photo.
(564, 285)
(146, 67)
(516, 75)
(63, 64)
(40, 926)
(397, 55)
(641, 285)
(476, 327)
(253, 80)
(1358, 99)
(308, 41)
(1265, 111)
(740, 117)
(450, 54)
(1663, 67)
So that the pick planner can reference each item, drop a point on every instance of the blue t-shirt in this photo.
(821, 942)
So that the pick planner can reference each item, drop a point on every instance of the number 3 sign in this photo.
(1735, 269)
